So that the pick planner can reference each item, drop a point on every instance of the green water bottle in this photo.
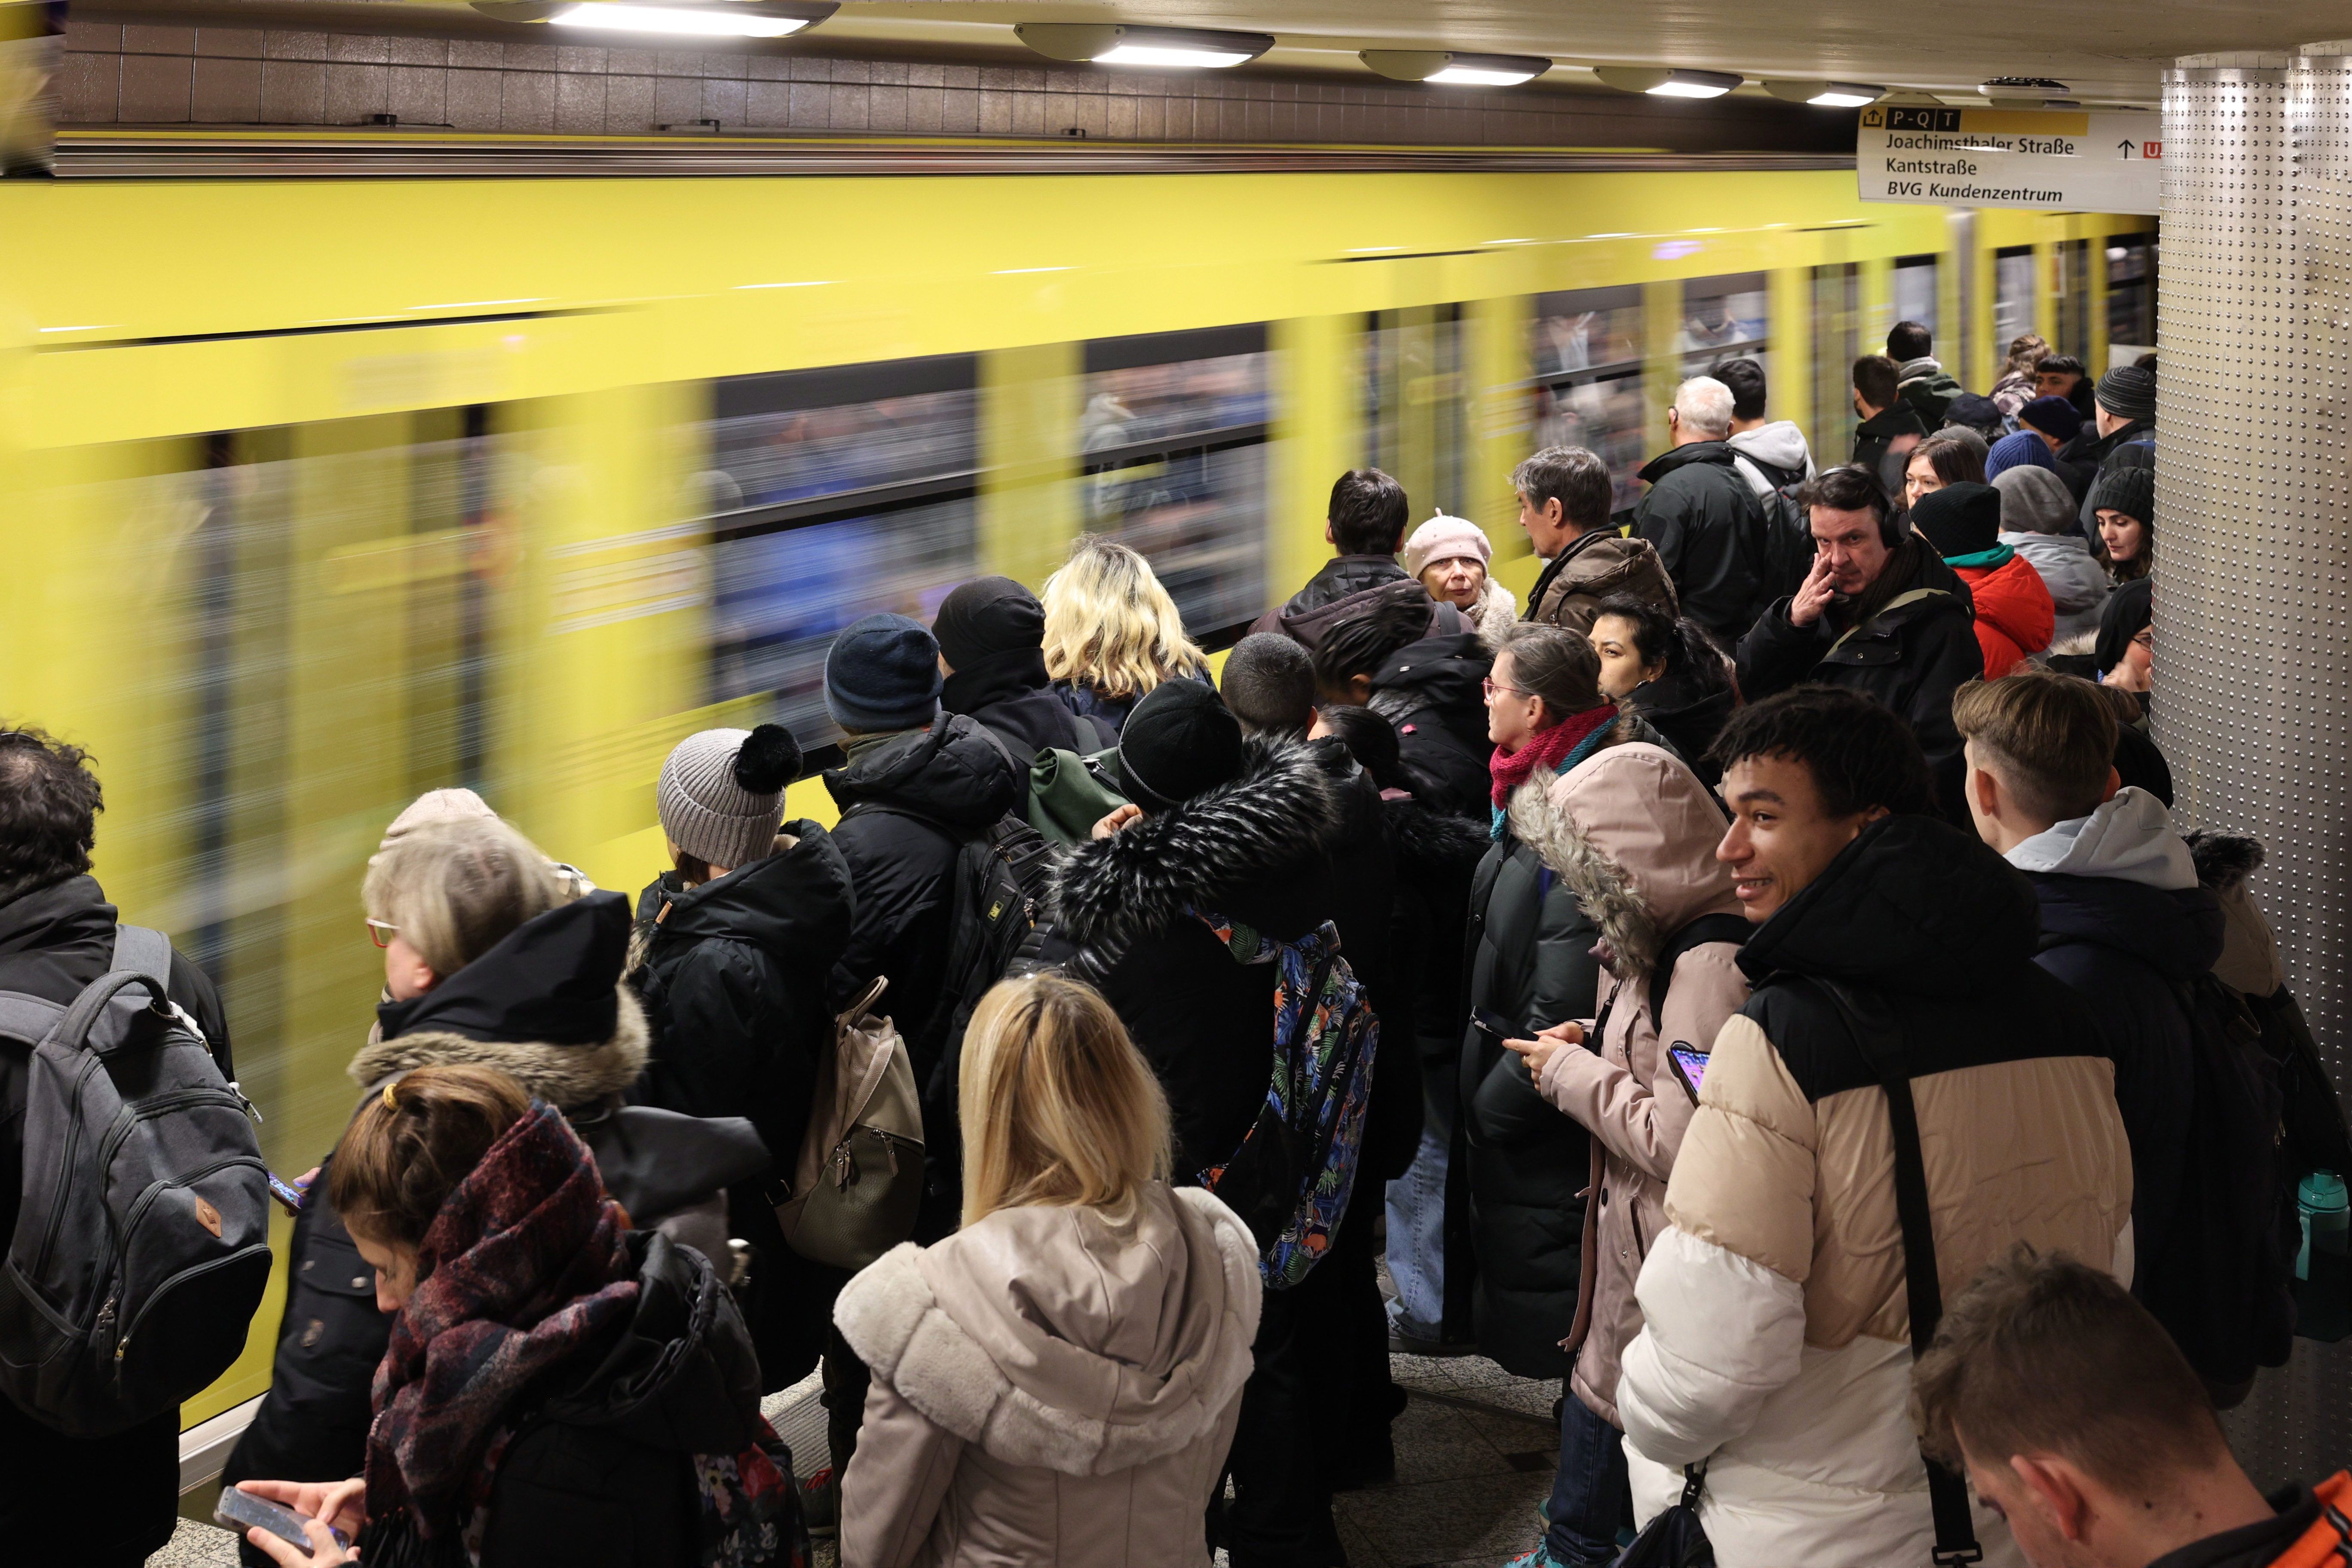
(2326, 1215)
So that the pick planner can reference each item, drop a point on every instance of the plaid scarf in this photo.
(523, 1268)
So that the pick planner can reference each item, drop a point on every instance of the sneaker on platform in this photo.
(1540, 1557)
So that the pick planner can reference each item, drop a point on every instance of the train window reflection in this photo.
(1587, 349)
(1173, 445)
(1413, 406)
(2131, 296)
(1915, 292)
(1724, 318)
(832, 495)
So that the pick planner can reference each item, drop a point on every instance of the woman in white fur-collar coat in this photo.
(1058, 1381)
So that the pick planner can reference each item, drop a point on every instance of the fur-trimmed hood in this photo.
(2250, 957)
(1632, 832)
(1226, 849)
(1495, 614)
(1054, 1338)
(569, 1078)
(2224, 860)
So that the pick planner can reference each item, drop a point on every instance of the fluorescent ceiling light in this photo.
(731, 21)
(1662, 81)
(1843, 98)
(1447, 68)
(1116, 44)
(1826, 94)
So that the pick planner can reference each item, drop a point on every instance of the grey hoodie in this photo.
(2130, 838)
(1781, 443)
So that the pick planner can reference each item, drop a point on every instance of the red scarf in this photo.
(1546, 752)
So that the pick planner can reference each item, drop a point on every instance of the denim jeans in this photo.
(1590, 1494)
(1416, 1206)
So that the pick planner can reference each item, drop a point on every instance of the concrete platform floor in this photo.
(1475, 1449)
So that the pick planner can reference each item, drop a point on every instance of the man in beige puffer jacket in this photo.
(1775, 1346)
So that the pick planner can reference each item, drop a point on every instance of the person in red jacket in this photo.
(2014, 614)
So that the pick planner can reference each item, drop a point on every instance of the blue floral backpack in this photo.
(1290, 1179)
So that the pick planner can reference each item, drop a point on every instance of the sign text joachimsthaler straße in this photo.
(2069, 160)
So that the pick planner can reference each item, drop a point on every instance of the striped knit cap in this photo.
(721, 795)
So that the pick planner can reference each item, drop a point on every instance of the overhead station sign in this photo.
(2070, 160)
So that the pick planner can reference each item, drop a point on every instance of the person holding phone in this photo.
(1632, 834)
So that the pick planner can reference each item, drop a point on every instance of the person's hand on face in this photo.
(1119, 817)
(1850, 544)
(1815, 594)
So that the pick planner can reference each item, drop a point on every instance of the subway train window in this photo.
(2072, 287)
(832, 495)
(1725, 318)
(1413, 404)
(1587, 348)
(1173, 448)
(1837, 343)
(2013, 295)
(2131, 296)
(1915, 290)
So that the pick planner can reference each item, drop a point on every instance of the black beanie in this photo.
(2127, 610)
(1181, 740)
(988, 615)
(2129, 392)
(2127, 488)
(1961, 519)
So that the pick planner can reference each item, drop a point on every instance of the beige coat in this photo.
(1050, 1387)
(1632, 832)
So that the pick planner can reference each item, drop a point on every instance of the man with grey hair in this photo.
(1564, 496)
(1700, 515)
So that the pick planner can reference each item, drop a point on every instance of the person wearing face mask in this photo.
(1449, 556)
(1776, 1342)
(1669, 672)
(557, 1387)
(1879, 614)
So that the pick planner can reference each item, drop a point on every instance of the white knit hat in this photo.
(1441, 538)
(721, 794)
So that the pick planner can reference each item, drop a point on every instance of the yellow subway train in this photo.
(318, 493)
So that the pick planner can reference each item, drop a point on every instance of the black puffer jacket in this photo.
(734, 977)
(1429, 693)
(1689, 709)
(909, 804)
(1706, 525)
(600, 1471)
(1348, 585)
(1363, 887)
(1875, 435)
(1911, 655)
(1255, 850)
(1529, 959)
(546, 1006)
(1008, 693)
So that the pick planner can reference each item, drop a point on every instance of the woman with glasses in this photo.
(1531, 965)
(488, 961)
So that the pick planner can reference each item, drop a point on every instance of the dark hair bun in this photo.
(770, 759)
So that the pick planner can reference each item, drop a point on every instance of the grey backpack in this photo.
(143, 1236)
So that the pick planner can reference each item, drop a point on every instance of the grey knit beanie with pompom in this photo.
(721, 795)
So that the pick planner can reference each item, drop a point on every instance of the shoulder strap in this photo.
(1697, 934)
(1910, 596)
(997, 740)
(1880, 1041)
(1086, 738)
(28, 1018)
(142, 951)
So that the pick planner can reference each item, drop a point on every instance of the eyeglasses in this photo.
(1491, 687)
(381, 932)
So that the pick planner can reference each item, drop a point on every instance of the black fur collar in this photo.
(1111, 892)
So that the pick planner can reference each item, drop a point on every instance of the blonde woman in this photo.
(1112, 633)
(1059, 1381)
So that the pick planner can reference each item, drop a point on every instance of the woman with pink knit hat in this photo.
(1449, 556)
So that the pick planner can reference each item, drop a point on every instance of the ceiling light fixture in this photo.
(1447, 68)
(1114, 43)
(743, 19)
(1660, 81)
(1826, 94)
(2027, 87)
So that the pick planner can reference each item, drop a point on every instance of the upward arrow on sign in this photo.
(2126, 145)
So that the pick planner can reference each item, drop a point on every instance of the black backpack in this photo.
(2227, 1286)
(143, 1239)
(1784, 546)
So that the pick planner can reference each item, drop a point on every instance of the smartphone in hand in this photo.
(289, 1196)
(242, 1511)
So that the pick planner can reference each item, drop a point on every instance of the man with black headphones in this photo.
(1880, 613)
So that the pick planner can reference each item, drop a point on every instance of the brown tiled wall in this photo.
(130, 74)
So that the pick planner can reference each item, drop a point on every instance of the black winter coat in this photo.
(909, 805)
(1008, 693)
(1363, 886)
(1689, 712)
(1706, 527)
(1911, 655)
(1876, 435)
(1528, 959)
(1430, 693)
(1346, 586)
(734, 977)
(600, 1471)
(2124, 946)
(1256, 850)
(2089, 453)
(546, 1006)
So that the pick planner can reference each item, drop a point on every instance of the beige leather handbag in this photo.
(859, 1179)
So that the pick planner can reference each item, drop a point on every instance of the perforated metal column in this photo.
(2254, 580)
